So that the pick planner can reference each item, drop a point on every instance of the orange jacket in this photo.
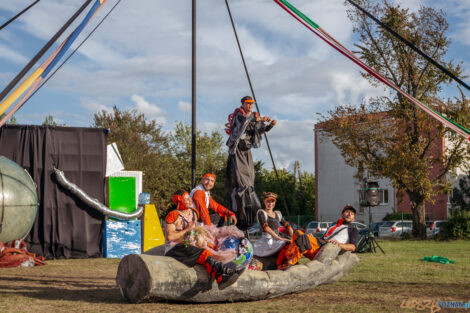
(199, 199)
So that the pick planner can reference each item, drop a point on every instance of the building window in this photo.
(449, 197)
(383, 194)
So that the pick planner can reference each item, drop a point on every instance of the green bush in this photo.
(396, 216)
(458, 226)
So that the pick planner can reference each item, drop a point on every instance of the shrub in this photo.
(396, 216)
(458, 226)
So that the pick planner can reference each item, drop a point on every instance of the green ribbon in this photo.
(438, 259)
(300, 14)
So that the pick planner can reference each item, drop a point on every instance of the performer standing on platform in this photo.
(245, 129)
(203, 201)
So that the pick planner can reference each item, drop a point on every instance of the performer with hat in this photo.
(270, 242)
(344, 234)
(245, 129)
(179, 224)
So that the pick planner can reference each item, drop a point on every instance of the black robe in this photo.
(245, 134)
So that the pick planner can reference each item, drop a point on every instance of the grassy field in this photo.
(379, 283)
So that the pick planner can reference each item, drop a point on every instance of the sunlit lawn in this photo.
(379, 283)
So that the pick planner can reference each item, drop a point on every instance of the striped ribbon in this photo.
(317, 30)
(33, 81)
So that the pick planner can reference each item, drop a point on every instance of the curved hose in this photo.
(94, 203)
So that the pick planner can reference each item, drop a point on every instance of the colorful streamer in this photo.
(43, 50)
(38, 81)
(40, 73)
(317, 30)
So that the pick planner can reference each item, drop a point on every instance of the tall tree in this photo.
(388, 136)
(143, 147)
(49, 121)
(11, 121)
(211, 156)
(300, 199)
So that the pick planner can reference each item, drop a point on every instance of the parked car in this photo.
(394, 229)
(376, 226)
(434, 227)
(375, 229)
(362, 228)
(318, 229)
(359, 226)
(428, 228)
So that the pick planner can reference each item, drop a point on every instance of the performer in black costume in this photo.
(245, 129)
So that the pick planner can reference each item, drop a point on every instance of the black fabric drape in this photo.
(64, 226)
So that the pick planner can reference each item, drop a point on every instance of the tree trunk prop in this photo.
(154, 278)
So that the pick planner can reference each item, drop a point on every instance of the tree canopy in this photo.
(165, 160)
(389, 136)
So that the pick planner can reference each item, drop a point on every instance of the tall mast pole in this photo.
(193, 89)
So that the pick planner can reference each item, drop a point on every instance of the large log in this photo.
(153, 278)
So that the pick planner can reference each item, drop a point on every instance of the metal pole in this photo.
(193, 92)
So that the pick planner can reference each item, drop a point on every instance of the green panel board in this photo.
(122, 194)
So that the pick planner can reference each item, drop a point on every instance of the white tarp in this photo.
(114, 161)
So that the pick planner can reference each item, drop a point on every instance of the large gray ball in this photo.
(18, 201)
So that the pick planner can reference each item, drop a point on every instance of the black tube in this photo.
(41, 52)
(18, 15)
(193, 94)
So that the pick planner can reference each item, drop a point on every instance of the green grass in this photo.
(379, 283)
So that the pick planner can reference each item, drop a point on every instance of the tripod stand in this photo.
(368, 242)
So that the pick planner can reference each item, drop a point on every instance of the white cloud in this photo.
(290, 141)
(95, 105)
(11, 55)
(209, 127)
(151, 111)
(142, 52)
(184, 106)
(60, 117)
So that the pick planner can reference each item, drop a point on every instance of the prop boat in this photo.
(151, 278)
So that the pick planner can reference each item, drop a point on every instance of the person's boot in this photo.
(223, 275)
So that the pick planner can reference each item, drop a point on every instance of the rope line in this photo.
(317, 30)
(18, 15)
(409, 44)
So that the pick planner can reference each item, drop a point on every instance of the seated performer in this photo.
(343, 234)
(179, 224)
(270, 242)
(245, 129)
(203, 201)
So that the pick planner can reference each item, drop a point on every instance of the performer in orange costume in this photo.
(179, 224)
(203, 201)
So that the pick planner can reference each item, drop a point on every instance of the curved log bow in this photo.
(153, 278)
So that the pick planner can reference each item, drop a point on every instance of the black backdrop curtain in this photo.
(64, 226)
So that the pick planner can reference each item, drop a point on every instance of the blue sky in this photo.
(141, 58)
